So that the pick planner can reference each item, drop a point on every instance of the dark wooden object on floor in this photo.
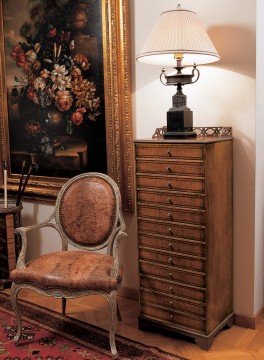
(184, 210)
(64, 303)
(10, 244)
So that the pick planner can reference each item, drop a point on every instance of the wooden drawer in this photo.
(171, 183)
(4, 272)
(170, 167)
(3, 246)
(170, 151)
(172, 259)
(171, 229)
(169, 244)
(18, 244)
(173, 288)
(171, 302)
(2, 231)
(17, 220)
(172, 273)
(2, 222)
(171, 214)
(3, 261)
(170, 198)
(173, 317)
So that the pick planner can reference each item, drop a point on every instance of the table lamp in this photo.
(179, 40)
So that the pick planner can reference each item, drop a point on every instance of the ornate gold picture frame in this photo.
(56, 93)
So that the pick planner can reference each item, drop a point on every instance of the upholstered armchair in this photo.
(88, 216)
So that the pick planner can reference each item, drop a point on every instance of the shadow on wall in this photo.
(237, 47)
(243, 222)
(39, 240)
(33, 247)
(129, 254)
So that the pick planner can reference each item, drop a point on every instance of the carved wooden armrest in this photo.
(22, 231)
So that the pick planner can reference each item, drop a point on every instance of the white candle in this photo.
(5, 185)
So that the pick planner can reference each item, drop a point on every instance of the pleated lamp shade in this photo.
(178, 32)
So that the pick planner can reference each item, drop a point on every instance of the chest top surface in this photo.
(197, 140)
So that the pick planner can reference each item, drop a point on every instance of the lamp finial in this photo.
(179, 7)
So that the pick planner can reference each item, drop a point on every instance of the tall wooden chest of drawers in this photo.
(184, 216)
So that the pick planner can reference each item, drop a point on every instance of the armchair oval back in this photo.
(87, 210)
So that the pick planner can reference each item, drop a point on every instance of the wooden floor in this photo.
(236, 343)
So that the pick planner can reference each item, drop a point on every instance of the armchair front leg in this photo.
(14, 301)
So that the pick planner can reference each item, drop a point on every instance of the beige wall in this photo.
(259, 206)
(224, 95)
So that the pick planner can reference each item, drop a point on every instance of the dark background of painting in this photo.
(92, 132)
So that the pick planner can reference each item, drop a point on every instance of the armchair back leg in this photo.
(63, 306)
(119, 316)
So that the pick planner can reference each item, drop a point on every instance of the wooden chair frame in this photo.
(112, 243)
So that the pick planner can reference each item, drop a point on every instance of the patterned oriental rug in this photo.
(48, 335)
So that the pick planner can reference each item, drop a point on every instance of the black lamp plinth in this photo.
(179, 124)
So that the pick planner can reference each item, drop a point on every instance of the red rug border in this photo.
(87, 325)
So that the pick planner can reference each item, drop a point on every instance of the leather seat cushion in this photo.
(69, 270)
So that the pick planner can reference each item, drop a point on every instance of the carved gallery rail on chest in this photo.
(184, 214)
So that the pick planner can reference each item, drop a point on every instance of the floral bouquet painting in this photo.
(54, 94)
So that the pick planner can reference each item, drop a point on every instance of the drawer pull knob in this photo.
(170, 231)
(171, 275)
(171, 289)
(170, 216)
(171, 303)
(169, 169)
(169, 153)
(170, 260)
(170, 246)
(171, 317)
(169, 185)
(169, 201)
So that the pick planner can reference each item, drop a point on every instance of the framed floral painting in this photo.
(65, 92)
